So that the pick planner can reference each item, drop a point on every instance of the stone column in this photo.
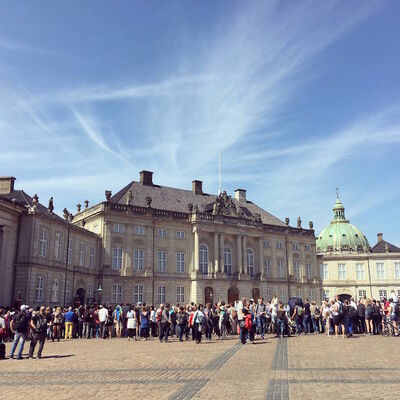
(221, 253)
(216, 253)
(239, 253)
(261, 257)
(244, 255)
(196, 249)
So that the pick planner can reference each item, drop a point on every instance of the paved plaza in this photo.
(296, 368)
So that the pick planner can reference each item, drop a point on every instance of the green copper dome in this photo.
(340, 235)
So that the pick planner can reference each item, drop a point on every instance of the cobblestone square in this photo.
(302, 367)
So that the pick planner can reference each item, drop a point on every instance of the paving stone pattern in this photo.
(295, 368)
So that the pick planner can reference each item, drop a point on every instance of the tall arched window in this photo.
(250, 262)
(203, 259)
(227, 261)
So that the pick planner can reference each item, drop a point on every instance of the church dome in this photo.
(340, 235)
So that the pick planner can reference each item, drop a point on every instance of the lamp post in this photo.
(99, 294)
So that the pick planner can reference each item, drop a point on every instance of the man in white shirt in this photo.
(103, 315)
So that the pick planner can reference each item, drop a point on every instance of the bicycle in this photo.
(387, 327)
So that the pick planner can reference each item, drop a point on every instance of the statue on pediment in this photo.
(129, 198)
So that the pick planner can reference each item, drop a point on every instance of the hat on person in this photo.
(252, 300)
(24, 307)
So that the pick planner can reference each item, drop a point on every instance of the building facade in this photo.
(165, 244)
(349, 267)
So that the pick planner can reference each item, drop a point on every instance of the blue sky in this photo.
(298, 97)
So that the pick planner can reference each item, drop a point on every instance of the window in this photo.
(39, 289)
(281, 273)
(116, 294)
(342, 272)
(138, 294)
(308, 271)
(118, 228)
(295, 246)
(161, 294)
(266, 244)
(383, 294)
(58, 246)
(299, 293)
(312, 294)
(397, 270)
(91, 256)
(250, 262)
(279, 245)
(282, 295)
(138, 230)
(324, 271)
(267, 268)
(380, 271)
(81, 254)
(360, 272)
(67, 292)
(307, 247)
(180, 262)
(180, 234)
(44, 236)
(54, 291)
(227, 261)
(180, 294)
(162, 233)
(269, 294)
(90, 292)
(138, 255)
(362, 294)
(70, 252)
(296, 269)
(162, 261)
(203, 260)
(325, 294)
(116, 258)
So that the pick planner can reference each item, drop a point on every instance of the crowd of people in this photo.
(248, 319)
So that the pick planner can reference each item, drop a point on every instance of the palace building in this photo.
(350, 267)
(151, 243)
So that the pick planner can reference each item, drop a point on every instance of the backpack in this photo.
(225, 317)
(20, 322)
(247, 322)
(300, 310)
(397, 309)
(340, 308)
(41, 325)
(158, 316)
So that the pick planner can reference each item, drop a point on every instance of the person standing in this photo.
(87, 318)
(307, 318)
(103, 317)
(199, 323)
(69, 323)
(261, 312)
(164, 324)
(19, 326)
(38, 324)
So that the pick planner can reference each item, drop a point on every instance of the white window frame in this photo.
(307, 247)
(58, 246)
(326, 294)
(296, 269)
(269, 293)
(279, 245)
(55, 291)
(295, 247)
(90, 292)
(308, 270)
(180, 294)
(203, 259)
(39, 289)
(397, 270)
(180, 235)
(312, 294)
(227, 261)
(67, 292)
(250, 262)
(138, 259)
(162, 232)
(280, 269)
(138, 291)
(43, 241)
(380, 270)
(117, 258)
(116, 293)
(138, 230)
(82, 249)
(267, 268)
(266, 244)
(118, 228)
(180, 262)
(360, 272)
(161, 294)
(70, 251)
(362, 293)
(282, 295)
(162, 261)
(382, 293)
(342, 272)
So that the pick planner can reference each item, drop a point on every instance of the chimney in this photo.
(6, 184)
(197, 187)
(380, 237)
(146, 178)
(240, 195)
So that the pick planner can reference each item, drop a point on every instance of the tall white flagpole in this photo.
(219, 172)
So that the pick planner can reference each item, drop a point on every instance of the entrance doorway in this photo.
(80, 294)
(208, 295)
(233, 294)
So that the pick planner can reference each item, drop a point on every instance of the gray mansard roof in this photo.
(172, 199)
